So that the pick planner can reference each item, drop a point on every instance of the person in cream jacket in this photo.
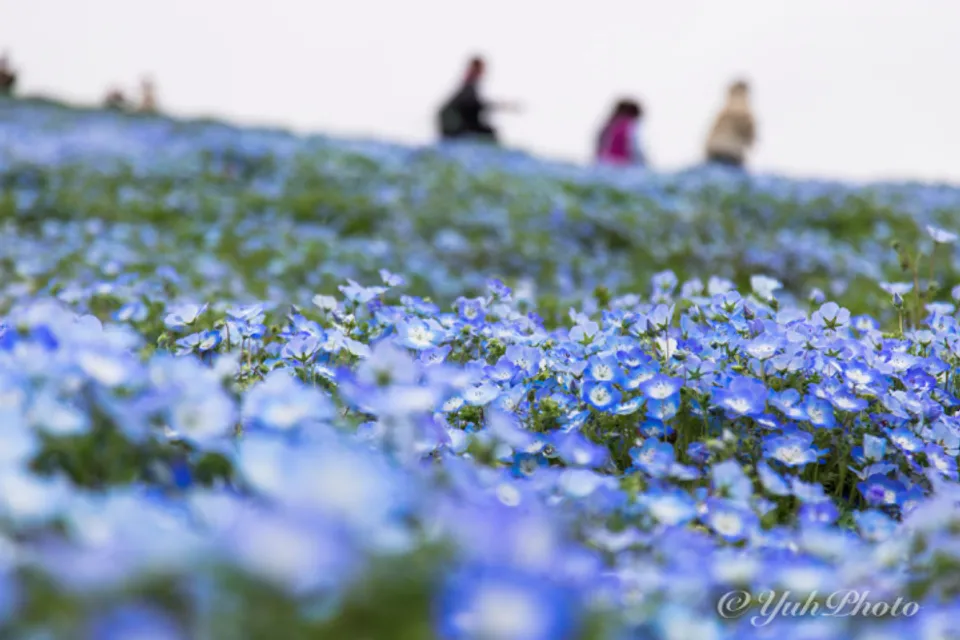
(734, 131)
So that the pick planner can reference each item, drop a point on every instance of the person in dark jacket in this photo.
(115, 100)
(8, 77)
(464, 114)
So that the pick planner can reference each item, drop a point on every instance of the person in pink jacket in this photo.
(619, 140)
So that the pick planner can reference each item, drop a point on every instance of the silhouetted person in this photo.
(734, 131)
(619, 140)
(148, 96)
(8, 77)
(463, 115)
(115, 100)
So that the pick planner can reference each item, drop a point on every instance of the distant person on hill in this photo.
(8, 77)
(148, 96)
(734, 131)
(115, 100)
(619, 140)
(463, 115)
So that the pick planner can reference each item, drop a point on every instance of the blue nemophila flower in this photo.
(600, 395)
(859, 376)
(300, 348)
(730, 481)
(771, 480)
(875, 525)
(359, 294)
(941, 236)
(29, 499)
(584, 330)
(729, 520)
(881, 490)
(183, 316)
(831, 315)
(603, 369)
(498, 290)
(637, 376)
(577, 450)
(654, 457)
(633, 358)
(763, 347)
(819, 412)
(905, 440)
(818, 513)
(108, 369)
(134, 621)
(294, 555)
(418, 334)
(346, 482)
(654, 428)
(483, 603)
(742, 397)
(502, 372)
(392, 279)
(325, 303)
(282, 402)
(899, 361)
(56, 417)
(527, 359)
(664, 281)
(865, 324)
(661, 387)
(897, 288)
(660, 317)
(764, 286)
(912, 499)
(672, 508)
(807, 491)
(131, 312)
(628, 407)
(945, 464)
(698, 452)
(471, 311)
(252, 313)
(480, 394)
(512, 398)
(506, 428)
(197, 406)
(848, 402)
(874, 448)
(664, 410)
(579, 483)
(434, 356)
(790, 403)
(202, 342)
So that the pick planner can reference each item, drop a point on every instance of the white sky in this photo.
(843, 88)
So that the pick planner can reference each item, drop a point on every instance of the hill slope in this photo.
(256, 384)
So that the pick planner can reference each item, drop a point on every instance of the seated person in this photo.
(115, 100)
(462, 116)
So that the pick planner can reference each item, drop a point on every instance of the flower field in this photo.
(261, 386)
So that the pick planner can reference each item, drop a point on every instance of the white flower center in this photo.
(600, 396)
(790, 455)
(727, 524)
(740, 405)
(603, 372)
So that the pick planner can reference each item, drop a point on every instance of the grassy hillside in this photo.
(256, 385)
